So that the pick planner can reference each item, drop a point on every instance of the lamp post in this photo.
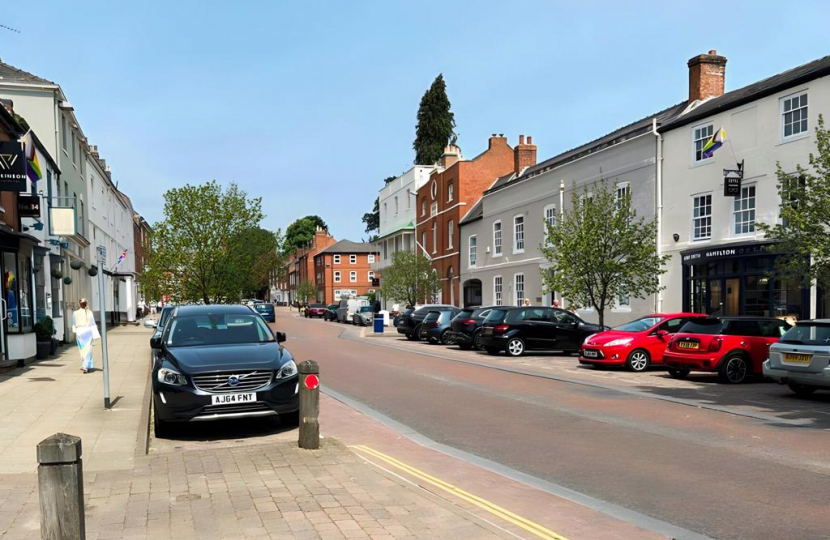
(102, 262)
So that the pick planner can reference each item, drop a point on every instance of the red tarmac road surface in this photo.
(718, 474)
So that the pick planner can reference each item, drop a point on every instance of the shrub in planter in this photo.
(44, 330)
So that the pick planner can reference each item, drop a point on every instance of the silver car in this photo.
(801, 359)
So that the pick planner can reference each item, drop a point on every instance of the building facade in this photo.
(445, 198)
(345, 269)
(719, 262)
(141, 239)
(302, 267)
(396, 207)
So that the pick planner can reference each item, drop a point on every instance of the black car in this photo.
(518, 329)
(330, 314)
(410, 322)
(465, 328)
(266, 311)
(436, 325)
(221, 362)
(158, 326)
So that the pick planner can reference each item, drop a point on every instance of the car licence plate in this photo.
(488, 331)
(688, 345)
(794, 358)
(590, 354)
(224, 399)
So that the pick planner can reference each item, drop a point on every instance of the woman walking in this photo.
(83, 325)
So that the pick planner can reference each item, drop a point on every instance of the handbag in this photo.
(95, 333)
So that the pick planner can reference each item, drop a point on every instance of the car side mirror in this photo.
(662, 333)
(280, 337)
(155, 342)
(150, 323)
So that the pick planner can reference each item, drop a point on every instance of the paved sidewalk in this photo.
(53, 395)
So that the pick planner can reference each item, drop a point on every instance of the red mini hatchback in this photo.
(734, 347)
(636, 344)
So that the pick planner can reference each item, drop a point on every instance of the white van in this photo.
(349, 306)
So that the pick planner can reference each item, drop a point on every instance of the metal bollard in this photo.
(309, 404)
(60, 478)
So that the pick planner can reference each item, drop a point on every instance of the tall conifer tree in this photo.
(436, 123)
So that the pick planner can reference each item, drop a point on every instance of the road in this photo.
(745, 462)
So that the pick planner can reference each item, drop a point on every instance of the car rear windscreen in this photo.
(496, 315)
(808, 334)
(703, 326)
(264, 308)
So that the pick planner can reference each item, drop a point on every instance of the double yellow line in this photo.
(498, 511)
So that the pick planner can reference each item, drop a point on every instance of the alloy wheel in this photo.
(735, 369)
(515, 347)
(638, 361)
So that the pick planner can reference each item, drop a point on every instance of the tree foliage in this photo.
(436, 124)
(261, 258)
(802, 242)
(306, 292)
(372, 219)
(300, 233)
(409, 278)
(600, 251)
(201, 250)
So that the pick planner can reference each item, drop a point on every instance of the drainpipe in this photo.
(658, 300)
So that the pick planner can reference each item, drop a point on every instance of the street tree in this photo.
(259, 260)
(436, 124)
(306, 292)
(802, 237)
(197, 253)
(409, 278)
(600, 251)
(372, 219)
(300, 233)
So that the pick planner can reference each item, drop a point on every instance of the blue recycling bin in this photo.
(378, 326)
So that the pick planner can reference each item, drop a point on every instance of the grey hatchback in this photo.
(801, 359)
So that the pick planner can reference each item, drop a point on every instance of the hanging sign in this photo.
(28, 206)
(732, 181)
(12, 166)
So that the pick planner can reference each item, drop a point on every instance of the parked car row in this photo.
(736, 348)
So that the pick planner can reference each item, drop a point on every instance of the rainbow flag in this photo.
(120, 260)
(714, 143)
(32, 162)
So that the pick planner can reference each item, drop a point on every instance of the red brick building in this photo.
(447, 197)
(302, 266)
(345, 268)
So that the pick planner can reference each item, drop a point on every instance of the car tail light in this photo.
(671, 342)
(501, 329)
(468, 321)
(714, 345)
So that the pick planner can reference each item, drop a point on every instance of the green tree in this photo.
(306, 292)
(300, 233)
(600, 251)
(802, 242)
(436, 124)
(195, 252)
(409, 278)
(258, 260)
(372, 219)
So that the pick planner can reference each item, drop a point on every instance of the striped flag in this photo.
(120, 260)
(714, 143)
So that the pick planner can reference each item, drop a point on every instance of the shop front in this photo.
(17, 340)
(741, 279)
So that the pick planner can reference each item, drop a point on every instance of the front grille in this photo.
(217, 383)
(234, 408)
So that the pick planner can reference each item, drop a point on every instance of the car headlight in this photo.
(288, 370)
(168, 376)
(619, 342)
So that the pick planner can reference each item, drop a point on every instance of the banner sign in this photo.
(28, 206)
(12, 166)
(61, 221)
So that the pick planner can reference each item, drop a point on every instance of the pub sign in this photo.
(732, 181)
(12, 166)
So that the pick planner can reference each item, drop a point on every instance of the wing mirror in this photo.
(280, 337)
(155, 342)
(150, 323)
(662, 334)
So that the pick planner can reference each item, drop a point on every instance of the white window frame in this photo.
(353, 276)
(423, 207)
(371, 276)
(694, 133)
(472, 250)
(371, 258)
(450, 231)
(736, 213)
(424, 242)
(434, 236)
(498, 291)
(804, 115)
(621, 190)
(352, 259)
(695, 197)
(450, 192)
(433, 209)
(336, 259)
(545, 219)
(518, 300)
(518, 235)
(498, 247)
(337, 276)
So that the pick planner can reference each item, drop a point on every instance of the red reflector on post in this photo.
(312, 382)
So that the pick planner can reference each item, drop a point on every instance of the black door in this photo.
(568, 335)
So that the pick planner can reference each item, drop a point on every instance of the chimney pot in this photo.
(529, 139)
(713, 52)
(521, 139)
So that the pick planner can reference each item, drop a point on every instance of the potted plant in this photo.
(44, 330)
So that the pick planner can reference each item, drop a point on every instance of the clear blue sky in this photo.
(310, 104)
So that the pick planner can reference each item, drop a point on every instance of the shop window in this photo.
(744, 211)
(702, 217)
(794, 115)
(757, 296)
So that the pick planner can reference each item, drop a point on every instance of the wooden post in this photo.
(309, 404)
(60, 478)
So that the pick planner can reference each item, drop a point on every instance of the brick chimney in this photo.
(494, 138)
(451, 155)
(524, 155)
(707, 73)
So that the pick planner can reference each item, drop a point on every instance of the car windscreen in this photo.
(365, 309)
(703, 326)
(317, 305)
(431, 316)
(640, 325)
(165, 314)
(808, 334)
(496, 315)
(217, 329)
(482, 313)
(264, 308)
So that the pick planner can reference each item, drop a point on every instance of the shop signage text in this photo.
(706, 255)
(12, 166)
(732, 180)
(28, 206)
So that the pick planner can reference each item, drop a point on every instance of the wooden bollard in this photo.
(309, 404)
(60, 478)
